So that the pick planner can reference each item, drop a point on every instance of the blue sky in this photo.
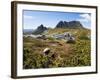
(32, 19)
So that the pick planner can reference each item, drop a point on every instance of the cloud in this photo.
(28, 17)
(84, 18)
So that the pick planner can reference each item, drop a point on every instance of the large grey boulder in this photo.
(58, 36)
(70, 40)
(66, 36)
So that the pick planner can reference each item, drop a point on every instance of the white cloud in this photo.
(84, 18)
(28, 17)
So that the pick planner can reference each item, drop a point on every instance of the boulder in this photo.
(70, 40)
(46, 51)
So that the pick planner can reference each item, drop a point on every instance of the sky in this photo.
(32, 19)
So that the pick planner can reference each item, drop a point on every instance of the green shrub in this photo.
(71, 55)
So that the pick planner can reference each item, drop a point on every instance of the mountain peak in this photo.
(71, 24)
(40, 29)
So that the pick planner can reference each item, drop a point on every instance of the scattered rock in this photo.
(66, 36)
(41, 37)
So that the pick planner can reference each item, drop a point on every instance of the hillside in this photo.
(62, 53)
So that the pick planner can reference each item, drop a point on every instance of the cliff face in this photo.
(40, 29)
(71, 24)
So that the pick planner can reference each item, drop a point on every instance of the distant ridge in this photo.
(28, 31)
(71, 24)
(61, 24)
(40, 29)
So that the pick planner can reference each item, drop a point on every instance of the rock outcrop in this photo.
(40, 29)
(71, 24)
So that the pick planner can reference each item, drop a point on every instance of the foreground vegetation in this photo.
(62, 54)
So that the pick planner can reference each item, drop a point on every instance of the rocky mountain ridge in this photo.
(61, 24)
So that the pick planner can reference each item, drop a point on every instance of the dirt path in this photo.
(67, 48)
(60, 47)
